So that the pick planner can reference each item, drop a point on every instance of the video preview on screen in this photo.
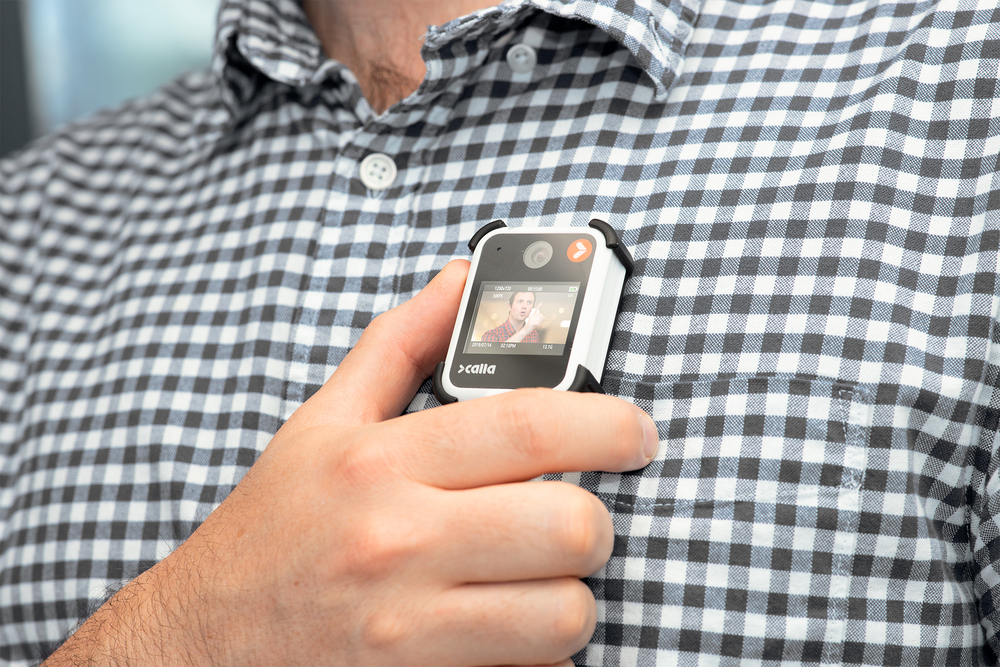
(523, 318)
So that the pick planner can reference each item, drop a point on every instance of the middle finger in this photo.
(523, 531)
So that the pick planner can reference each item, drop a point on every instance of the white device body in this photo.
(598, 310)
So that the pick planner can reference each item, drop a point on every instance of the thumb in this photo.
(396, 353)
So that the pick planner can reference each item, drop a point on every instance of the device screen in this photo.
(525, 301)
(523, 318)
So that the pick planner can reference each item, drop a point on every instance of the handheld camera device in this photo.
(538, 310)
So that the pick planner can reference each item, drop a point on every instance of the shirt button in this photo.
(522, 58)
(378, 171)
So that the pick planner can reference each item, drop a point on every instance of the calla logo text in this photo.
(478, 369)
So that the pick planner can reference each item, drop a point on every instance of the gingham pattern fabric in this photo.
(501, 333)
(810, 193)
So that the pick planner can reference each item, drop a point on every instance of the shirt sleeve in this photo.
(23, 178)
(984, 517)
(493, 336)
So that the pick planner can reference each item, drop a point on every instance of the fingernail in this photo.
(652, 438)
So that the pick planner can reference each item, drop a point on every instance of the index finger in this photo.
(519, 435)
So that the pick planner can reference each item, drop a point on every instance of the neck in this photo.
(517, 324)
(380, 40)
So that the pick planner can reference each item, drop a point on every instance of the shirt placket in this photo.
(362, 262)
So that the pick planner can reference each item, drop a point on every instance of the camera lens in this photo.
(537, 254)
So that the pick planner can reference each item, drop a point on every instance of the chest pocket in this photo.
(738, 539)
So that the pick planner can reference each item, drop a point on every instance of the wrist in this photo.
(160, 618)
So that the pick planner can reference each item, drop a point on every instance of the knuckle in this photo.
(627, 427)
(380, 325)
(359, 466)
(390, 337)
(386, 338)
(586, 533)
(520, 413)
(386, 631)
(381, 538)
(577, 617)
(625, 436)
(381, 548)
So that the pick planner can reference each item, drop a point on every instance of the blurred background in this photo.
(556, 306)
(64, 59)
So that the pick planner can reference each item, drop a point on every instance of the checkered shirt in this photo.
(501, 333)
(810, 191)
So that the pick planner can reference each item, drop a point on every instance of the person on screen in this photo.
(522, 320)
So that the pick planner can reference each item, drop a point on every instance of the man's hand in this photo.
(533, 319)
(360, 537)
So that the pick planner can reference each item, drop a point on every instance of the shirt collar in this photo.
(273, 38)
(270, 38)
(656, 32)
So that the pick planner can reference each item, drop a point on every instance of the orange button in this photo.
(579, 250)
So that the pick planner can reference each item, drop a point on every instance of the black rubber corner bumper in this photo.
(444, 397)
(612, 242)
